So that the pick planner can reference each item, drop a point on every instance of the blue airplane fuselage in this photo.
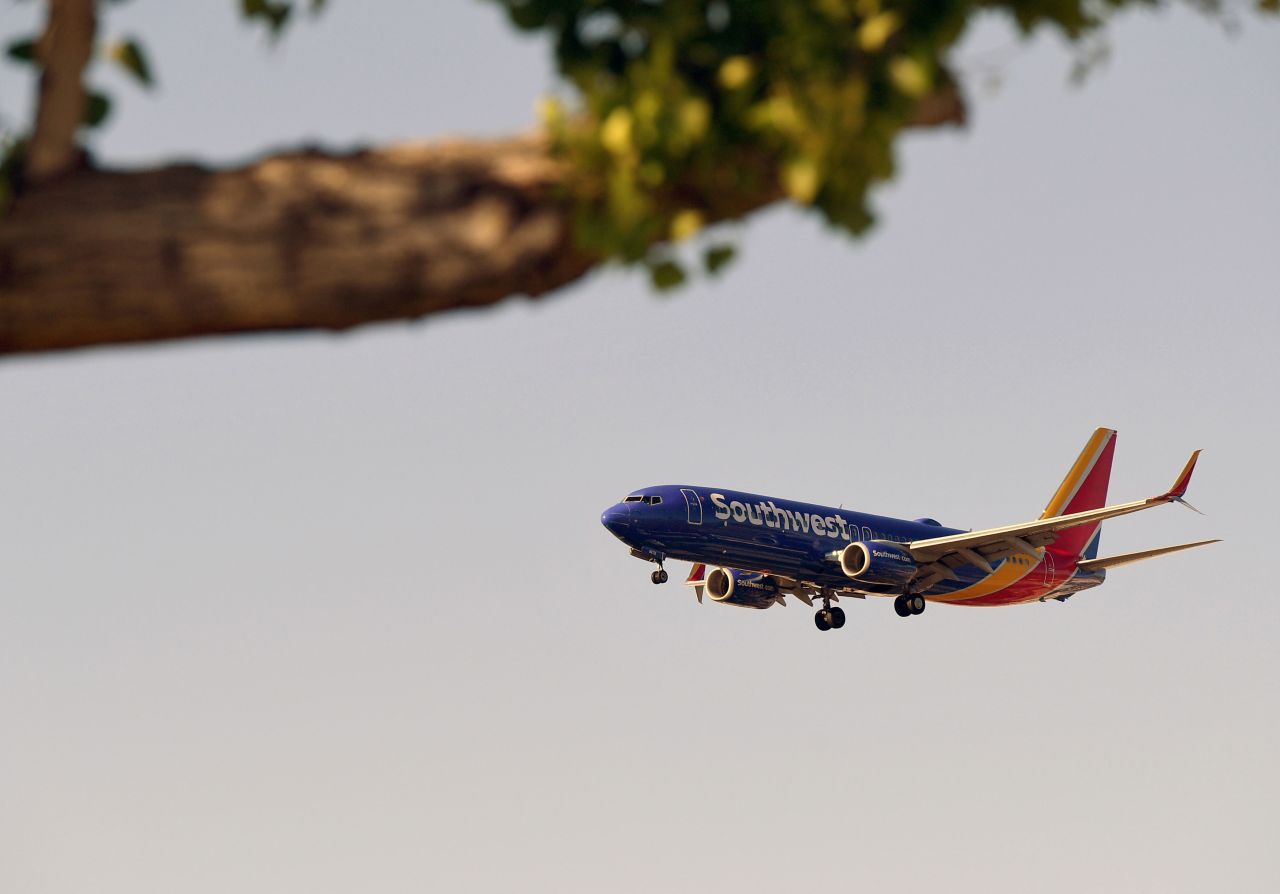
(763, 534)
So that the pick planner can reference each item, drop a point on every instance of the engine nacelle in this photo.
(744, 588)
(877, 562)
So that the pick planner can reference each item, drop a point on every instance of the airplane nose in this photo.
(617, 519)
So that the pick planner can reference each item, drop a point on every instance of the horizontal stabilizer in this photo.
(1128, 558)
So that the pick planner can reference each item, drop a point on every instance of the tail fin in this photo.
(1085, 487)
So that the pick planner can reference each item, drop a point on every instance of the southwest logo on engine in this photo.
(887, 554)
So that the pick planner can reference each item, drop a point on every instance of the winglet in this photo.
(697, 580)
(1179, 489)
(1180, 486)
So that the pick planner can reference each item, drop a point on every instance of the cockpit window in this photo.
(634, 498)
(653, 500)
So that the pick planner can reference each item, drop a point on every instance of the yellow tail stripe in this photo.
(1083, 466)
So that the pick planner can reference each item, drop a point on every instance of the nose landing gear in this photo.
(650, 555)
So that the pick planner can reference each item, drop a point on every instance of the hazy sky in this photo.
(330, 614)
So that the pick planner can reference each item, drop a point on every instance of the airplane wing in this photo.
(937, 556)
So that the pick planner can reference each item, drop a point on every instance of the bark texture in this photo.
(63, 52)
(305, 240)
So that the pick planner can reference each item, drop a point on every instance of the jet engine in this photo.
(744, 588)
(878, 562)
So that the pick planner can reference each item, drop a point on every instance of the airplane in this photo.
(753, 551)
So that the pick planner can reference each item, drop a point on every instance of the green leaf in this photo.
(717, 256)
(96, 109)
(666, 275)
(23, 50)
(274, 12)
(128, 54)
(279, 15)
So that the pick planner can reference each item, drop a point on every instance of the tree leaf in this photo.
(686, 224)
(22, 50)
(278, 14)
(128, 54)
(666, 275)
(274, 12)
(717, 256)
(97, 107)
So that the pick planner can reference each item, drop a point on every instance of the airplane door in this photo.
(1048, 568)
(694, 503)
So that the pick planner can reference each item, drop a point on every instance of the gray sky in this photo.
(327, 614)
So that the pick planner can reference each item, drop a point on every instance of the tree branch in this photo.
(63, 53)
(298, 241)
(303, 240)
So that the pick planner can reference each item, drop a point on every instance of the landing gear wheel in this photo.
(900, 606)
(837, 617)
(659, 576)
(822, 620)
(916, 604)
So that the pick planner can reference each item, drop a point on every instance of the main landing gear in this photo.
(828, 617)
(909, 604)
(659, 576)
